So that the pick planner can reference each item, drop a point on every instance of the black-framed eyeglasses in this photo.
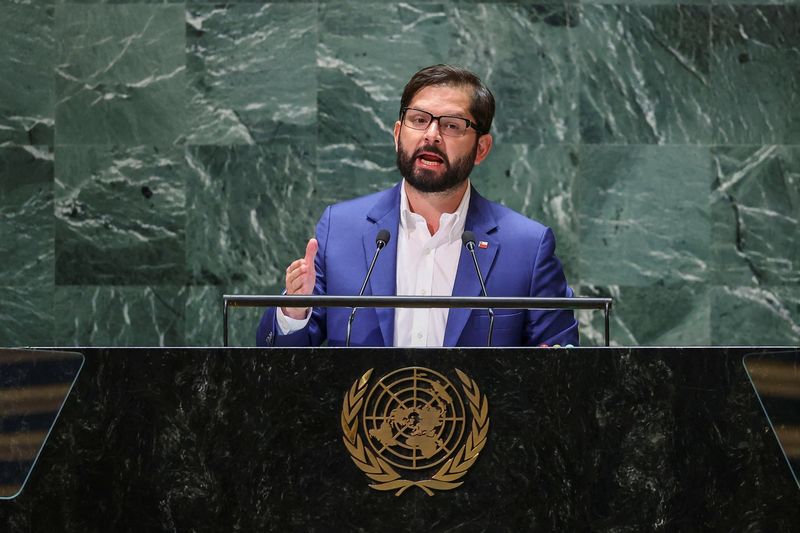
(417, 119)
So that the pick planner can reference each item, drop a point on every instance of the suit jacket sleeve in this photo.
(315, 331)
(554, 326)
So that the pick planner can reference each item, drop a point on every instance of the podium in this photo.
(216, 439)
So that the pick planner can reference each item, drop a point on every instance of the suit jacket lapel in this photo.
(481, 222)
(383, 282)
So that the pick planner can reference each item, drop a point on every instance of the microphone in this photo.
(380, 241)
(468, 238)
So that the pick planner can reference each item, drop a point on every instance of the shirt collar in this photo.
(452, 223)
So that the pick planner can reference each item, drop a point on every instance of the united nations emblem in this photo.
(414, 420)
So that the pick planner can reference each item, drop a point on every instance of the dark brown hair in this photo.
(482, 106)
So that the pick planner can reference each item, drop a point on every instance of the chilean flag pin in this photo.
(483, 244)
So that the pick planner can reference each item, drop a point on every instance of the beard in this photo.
(429, 181)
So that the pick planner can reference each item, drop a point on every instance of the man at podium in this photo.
(423, 225)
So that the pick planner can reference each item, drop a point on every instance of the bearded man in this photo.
(443, 131)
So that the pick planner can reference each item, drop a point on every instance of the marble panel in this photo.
(759, 2)
(522, 53)
(27, 91)
(252, 72)
(117, 1)
(755, 210)
(204, 323)
(755, 64)
(537, 182)
(120, 215)
(26, 315)
(203, 315)
(251, 210)
(648, 2)
(746, 316)
(512, 47)
(121, 74)
(645, 75)
(366, 54)
(350, 170)
(662, 315)
(644, 215)
(119, 316)
(26, 216)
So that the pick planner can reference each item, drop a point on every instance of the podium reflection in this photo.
(776, 380)
(33, 388)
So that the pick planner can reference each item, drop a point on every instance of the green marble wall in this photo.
(156, 155)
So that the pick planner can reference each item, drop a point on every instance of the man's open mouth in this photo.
(429, 159)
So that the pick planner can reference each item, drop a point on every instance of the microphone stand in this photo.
(469, 242)
(380, 242)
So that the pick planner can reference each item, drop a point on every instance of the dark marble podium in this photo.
(250, 440)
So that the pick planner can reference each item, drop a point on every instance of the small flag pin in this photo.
(483, 244)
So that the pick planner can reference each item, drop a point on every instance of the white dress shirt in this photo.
(426, 266)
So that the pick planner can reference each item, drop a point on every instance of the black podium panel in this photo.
(253, 440)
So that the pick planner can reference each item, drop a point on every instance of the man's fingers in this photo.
(311, 251)
(295, 278)
(300, 275)
(298, 278)
(296, 271)
(295, 264)
(296, 284)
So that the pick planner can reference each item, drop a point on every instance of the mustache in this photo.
(433, 150)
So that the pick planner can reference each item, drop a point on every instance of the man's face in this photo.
(430, 161)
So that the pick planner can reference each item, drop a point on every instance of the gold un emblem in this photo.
(413, 421)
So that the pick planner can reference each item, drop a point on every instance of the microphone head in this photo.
(468, 238)
(383, 238)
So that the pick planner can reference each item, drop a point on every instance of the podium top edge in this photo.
(249, 300)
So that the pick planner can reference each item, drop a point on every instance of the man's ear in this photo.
(484, 147)
(396, 135)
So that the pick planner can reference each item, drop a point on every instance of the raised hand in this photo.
(300, 279)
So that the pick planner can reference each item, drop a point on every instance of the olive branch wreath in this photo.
(386, 477)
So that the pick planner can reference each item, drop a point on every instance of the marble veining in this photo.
(244, 234)
(755, 207)
(662, 315)
(645, 74)
(641, 232)
(755, 60)
(359, 70)
(27, 315)
(26, 216)
(120, 74)
(168, 146)
(116, 204)
(119, 316)
(525, 54)
(746, 313)
(27, 92)
(252, 73)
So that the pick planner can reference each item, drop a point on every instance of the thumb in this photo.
(311, 251)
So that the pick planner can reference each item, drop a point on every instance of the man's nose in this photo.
(432, 133)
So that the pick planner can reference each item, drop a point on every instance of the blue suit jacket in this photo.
(518, 261)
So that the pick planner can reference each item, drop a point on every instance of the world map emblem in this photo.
(412, 428)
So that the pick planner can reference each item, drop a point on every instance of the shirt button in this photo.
(419, 335)
(424, 292)
(426, 251)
